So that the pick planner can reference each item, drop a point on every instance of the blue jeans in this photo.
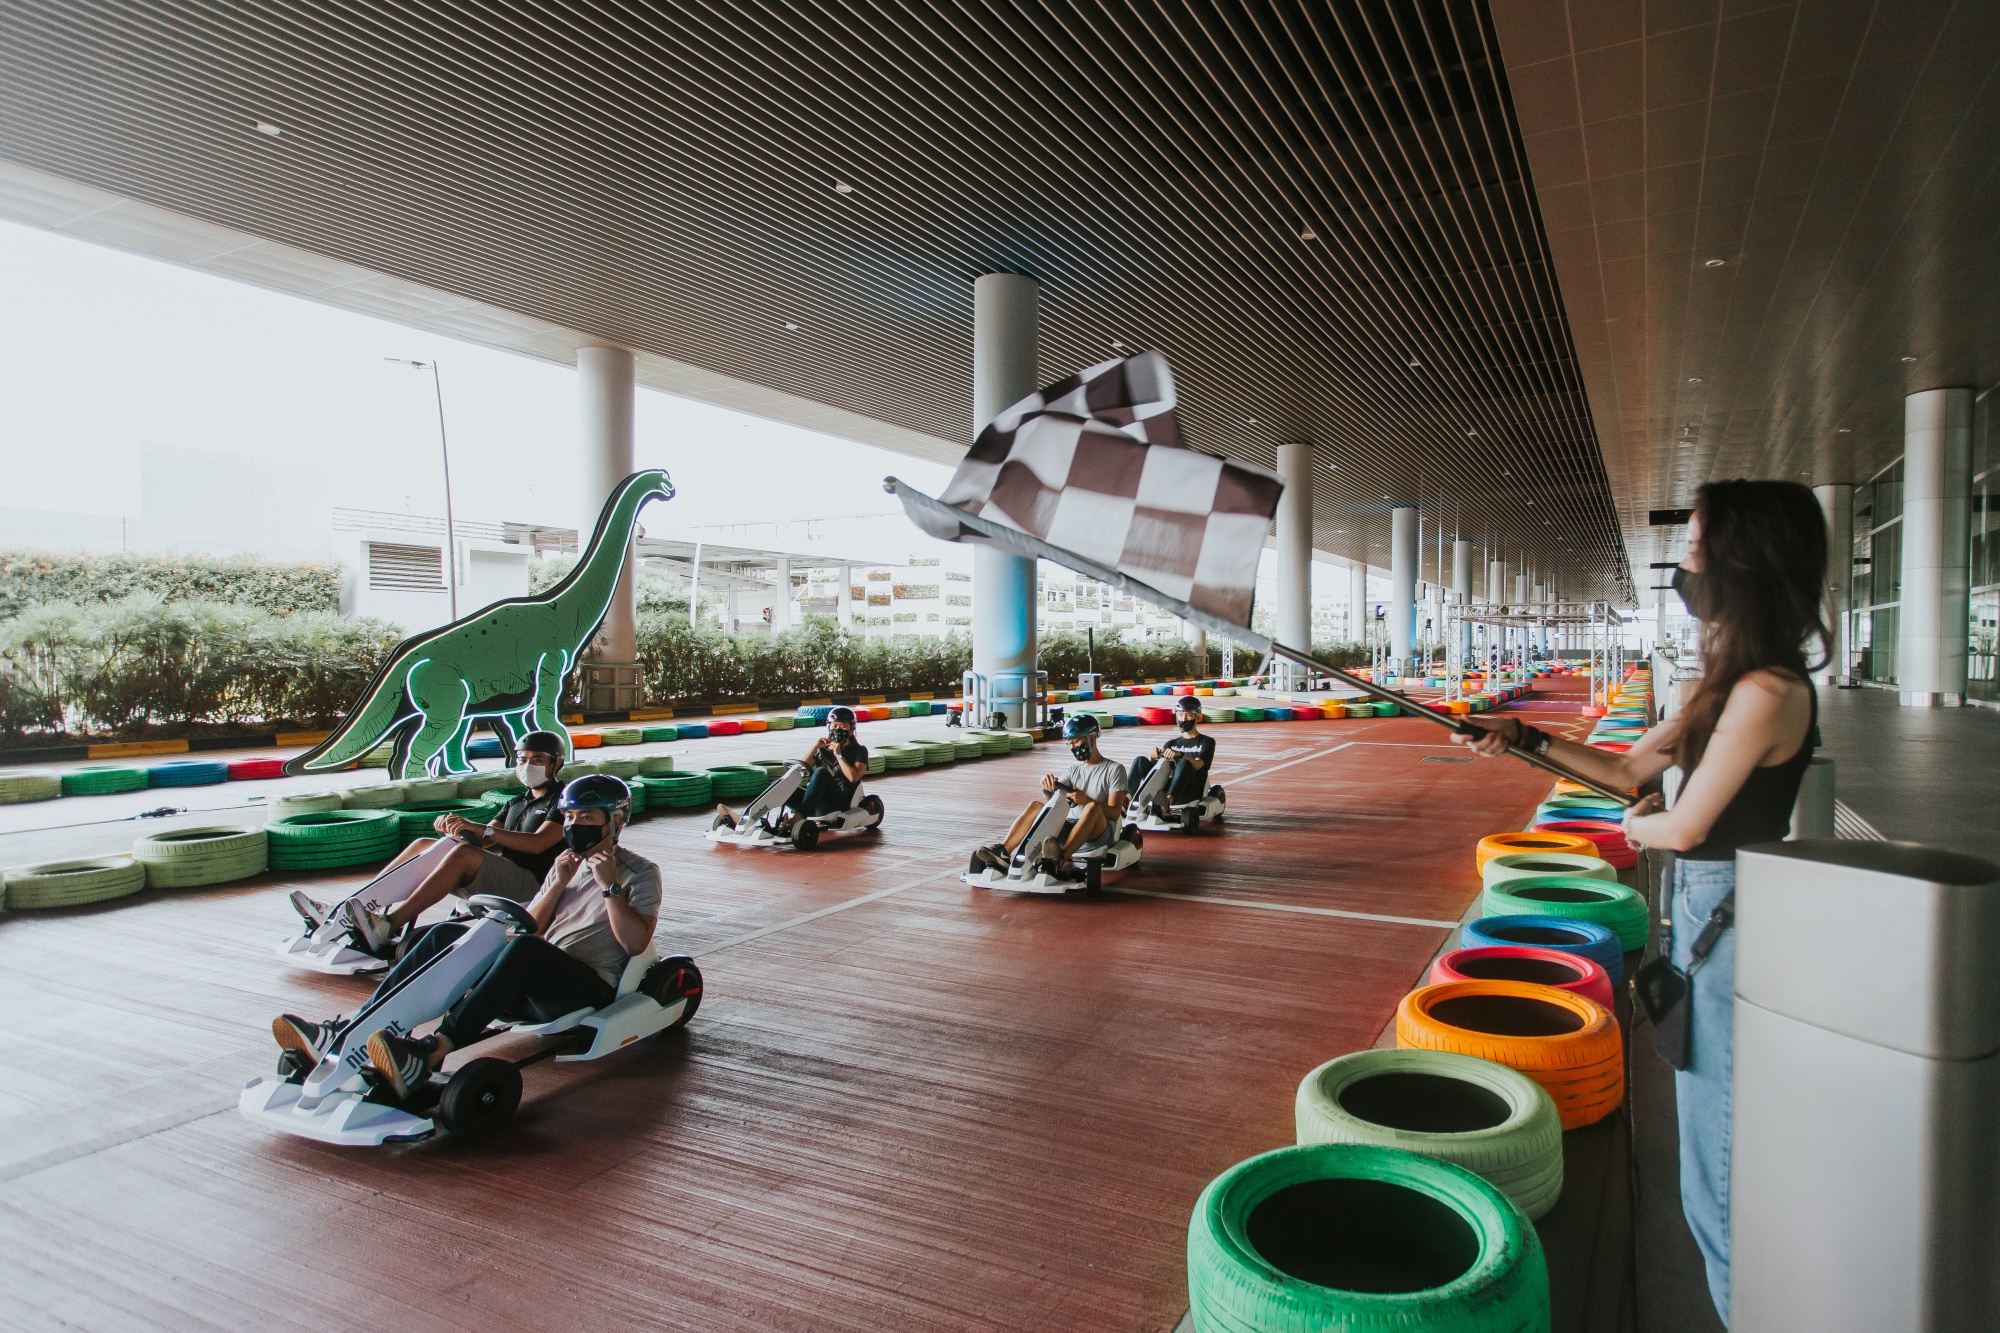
(1701, 1091)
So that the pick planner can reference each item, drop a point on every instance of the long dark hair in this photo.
(1763, 574)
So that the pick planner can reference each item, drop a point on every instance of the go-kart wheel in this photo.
(1216, 792)
(805, 834)
(505, 909)
(1190, 819)
(672, 979)
(873, 805)
(480, 1098)
(1130, 833)
(1093, 878)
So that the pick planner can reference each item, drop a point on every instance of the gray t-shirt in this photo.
(1098, 781)
(581, 927)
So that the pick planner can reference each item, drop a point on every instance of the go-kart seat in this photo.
(628, 983)
(635, 970)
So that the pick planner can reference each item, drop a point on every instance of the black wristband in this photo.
(1533, 739)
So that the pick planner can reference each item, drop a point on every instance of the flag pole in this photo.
(937, 517)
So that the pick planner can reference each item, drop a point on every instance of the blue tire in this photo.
(1564, 934)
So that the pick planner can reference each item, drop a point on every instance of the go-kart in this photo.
(759, 825)
(329, 947)
(341, 1100)
(1157, 813)
(1028, 871)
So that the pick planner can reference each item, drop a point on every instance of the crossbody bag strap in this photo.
(1718, 921)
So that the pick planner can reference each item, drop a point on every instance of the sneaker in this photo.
(402, 1062)
(309, 1039)
(373, 931)
(311, 910)
(724, 818)
(994, 857)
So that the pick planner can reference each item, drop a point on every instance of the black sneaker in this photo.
(994, 857)
(311, 910)
(724, 818)
(308, 1039)
(403, 1063)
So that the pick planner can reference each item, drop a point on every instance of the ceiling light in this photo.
(1694, 379)
(1712, 263)
(791, 328)
(1308, 234)
(1250, 421)
(1117, 346)
(266, 127)
(1845, 431)
(1472, 435)
(1908, 359)
(1416, 364)
(842, 187)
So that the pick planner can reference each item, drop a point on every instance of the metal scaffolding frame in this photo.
(1508, 638)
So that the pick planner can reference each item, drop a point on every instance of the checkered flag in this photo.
(1094, 465)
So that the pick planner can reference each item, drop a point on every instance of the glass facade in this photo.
(1983, 650)
(1878, 575)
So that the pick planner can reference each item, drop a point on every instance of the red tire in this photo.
(1514, 962)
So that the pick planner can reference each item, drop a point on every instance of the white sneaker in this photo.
(373, 931)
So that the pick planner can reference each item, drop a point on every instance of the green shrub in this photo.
(30, 578)
(818, 658)
(143, 663)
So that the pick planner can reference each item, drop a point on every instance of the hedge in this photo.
(142, 662)
(31, 578)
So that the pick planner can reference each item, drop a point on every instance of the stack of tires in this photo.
(71, 883)
(1576, 898)
(19, 785)
(419, 820)
(736, 781)
(302, 803)
(329, 839)
(195, 857)
(187, 773)
(678, 791)
(898, 757)
(100, 779)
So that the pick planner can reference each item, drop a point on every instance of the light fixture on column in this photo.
(444, 451)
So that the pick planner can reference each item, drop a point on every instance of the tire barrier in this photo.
(640, 805)
(732, 781)
(678, 791)
(1539, 967)
(380, 796)
(1344, 1237)
(991, 743)
(898, 757)
(781, 722)
(419, 790)
(331, 838)
(1515, 865)
(1541, 840)
(752, 725)
(1563, 934)
(622, 735)
(301, 803)
(653, 765)
(1568, 1044)
(623, 768)
(585, 740)
(938, 752)
(813, 715)
(1549, 813)
(94, 879)
(191, 858)
(1494, 1121)
(1020, 740)
(484, 747)
(249, 770)
(669, 732)
(187, 773)
(691, 731)
(968, 747)
(725, 727)
(478, 784)
(1575, 898)
(101, 779)
(419, 818)
(1609, 839)
(772, 768)
(1218, 716)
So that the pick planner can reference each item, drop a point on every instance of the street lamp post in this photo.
(444, 450)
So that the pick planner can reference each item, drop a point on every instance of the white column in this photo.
(1496, 582)
(1937, 514)
(781, 609)
(1295, 541)
(1521, 589)
(843, 601)
(1357, 603)
(1402, 584)
(1836, 503)
(604, 378)
(1006, 333)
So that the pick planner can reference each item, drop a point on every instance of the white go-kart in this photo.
(759, 825)
(330, 948)
(1158, 814)
(342, 1101)
(1030, 871)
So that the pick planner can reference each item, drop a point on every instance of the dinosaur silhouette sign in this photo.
(503, 664)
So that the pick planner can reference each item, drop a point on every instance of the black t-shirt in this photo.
(527, 813)
(1192, 747)
(854, 752)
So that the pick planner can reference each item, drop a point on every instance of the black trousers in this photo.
(1182, 787)
(826, 794)
(531, 979)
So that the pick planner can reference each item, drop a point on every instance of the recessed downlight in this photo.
(1712, 263)
(842, 187)
(1845, 431)
(1308, 234)
(266, 127)
(1694, 379)
(1908, 359)
(791, 328)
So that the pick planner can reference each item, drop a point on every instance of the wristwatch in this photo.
(615, 891)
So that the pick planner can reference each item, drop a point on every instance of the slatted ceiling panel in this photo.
(665, 180)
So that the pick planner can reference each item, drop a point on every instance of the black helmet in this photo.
(1187, 703)
(1079, 724)
(543, 742)
(597, 791)
(842, 715)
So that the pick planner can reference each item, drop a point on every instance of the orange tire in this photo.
(584, 740)
(1500, 844)
(1566, 1042)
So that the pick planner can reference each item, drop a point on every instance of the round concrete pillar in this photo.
(1933, 627)
(1836, 504)
(1006, 334)
(1295, 540)
(1402, 585)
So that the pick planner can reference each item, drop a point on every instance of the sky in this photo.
(103, 352)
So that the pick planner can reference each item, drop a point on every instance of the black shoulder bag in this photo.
(1663, 988)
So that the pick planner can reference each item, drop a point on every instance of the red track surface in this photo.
(927, 1107)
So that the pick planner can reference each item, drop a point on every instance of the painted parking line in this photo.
(1302, 759)
(1297, 908)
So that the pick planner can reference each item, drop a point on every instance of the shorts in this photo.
(503, 878)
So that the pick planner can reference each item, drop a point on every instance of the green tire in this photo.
(678, 791)
(302, 803)
(19, 785)
(625, 769)
(1520, 865)
(623, 735)
(732, 781)
(418, 819)
(334, 838)
(653, 765)
(478, 784)
(101, 779)
(1578, 897)
(72, 883)
(380, 796)
(1348, 1238)
(419, 790)
(781, 722)
(194, 857)
(651, 735)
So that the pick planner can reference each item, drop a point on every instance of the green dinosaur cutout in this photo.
(503, 664)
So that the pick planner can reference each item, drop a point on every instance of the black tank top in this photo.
(1761, 810)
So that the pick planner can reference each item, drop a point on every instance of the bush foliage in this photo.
(32, 578)
(142, 663)
(816, 659)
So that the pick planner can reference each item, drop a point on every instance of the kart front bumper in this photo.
(344, 1119)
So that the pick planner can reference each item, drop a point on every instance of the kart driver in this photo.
(1191, 753)
(596, 909)
(838, 763)
(509, 857)
(1097, 791)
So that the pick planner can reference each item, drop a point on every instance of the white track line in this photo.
(1317, 754)
(1283, 907)
(876, 896)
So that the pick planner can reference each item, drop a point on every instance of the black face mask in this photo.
(839, 736)
(583, 837)
(1081, 749)
(1693, 591)
(1189, 723)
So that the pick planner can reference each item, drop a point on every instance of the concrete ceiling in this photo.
(1320, 211)
(1771, 221)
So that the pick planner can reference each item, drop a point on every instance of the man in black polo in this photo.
(510, 856)
(1191, 753)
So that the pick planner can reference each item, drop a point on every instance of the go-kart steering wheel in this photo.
(505, 909)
